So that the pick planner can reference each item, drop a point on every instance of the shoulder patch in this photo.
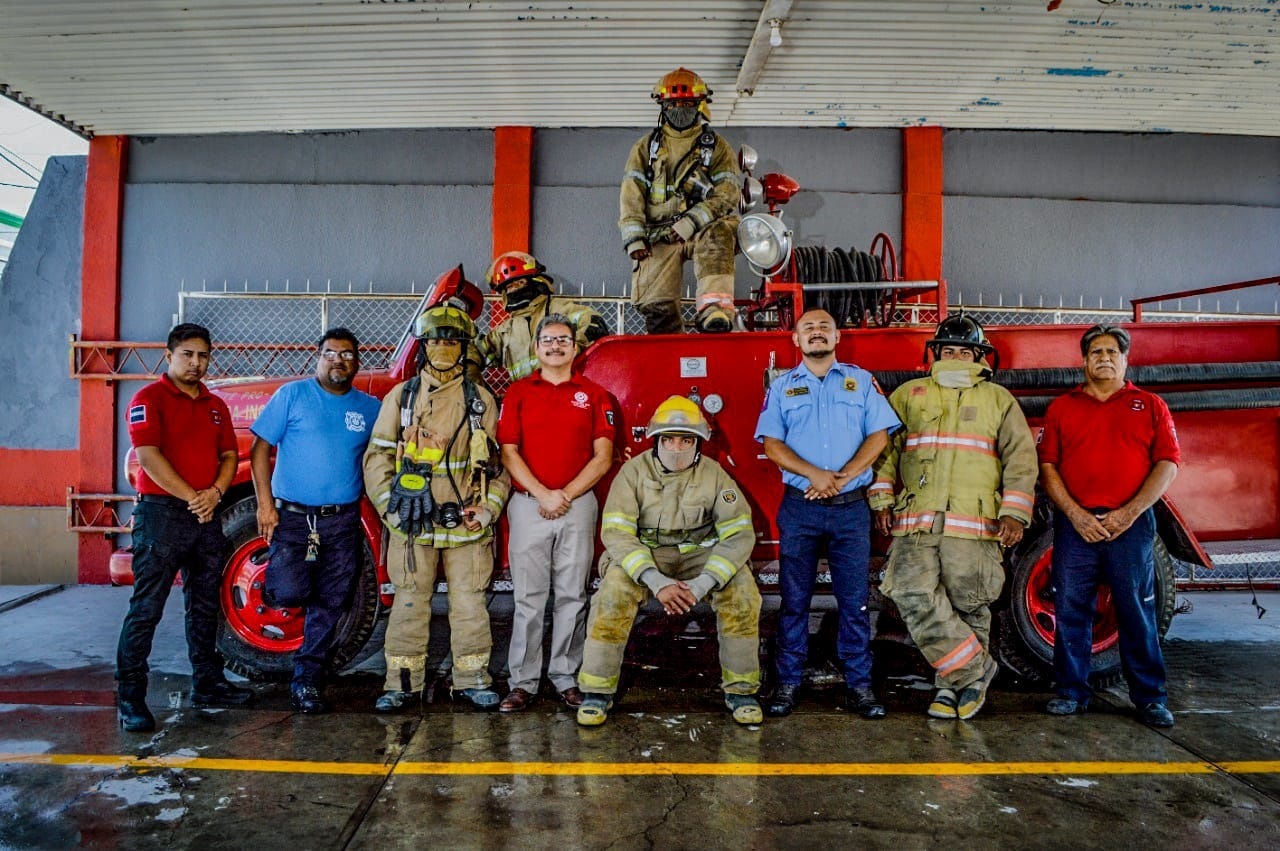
(137, 414)
(729, 496)
(608, 416)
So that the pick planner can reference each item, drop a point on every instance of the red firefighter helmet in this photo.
(453, 288)
(681, 84)
(511, 267)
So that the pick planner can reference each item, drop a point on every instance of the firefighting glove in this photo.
(411, 497)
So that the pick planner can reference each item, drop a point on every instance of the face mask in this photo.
(681, 117)
(957, 374)
(442, 360)
(677, 460)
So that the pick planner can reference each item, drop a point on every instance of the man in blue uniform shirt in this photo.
(824, 423)
(309, 508)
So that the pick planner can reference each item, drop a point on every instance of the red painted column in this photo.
(922, 207)
(100, 320)
(512, 189)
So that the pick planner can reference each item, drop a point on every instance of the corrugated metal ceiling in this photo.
(143, 67)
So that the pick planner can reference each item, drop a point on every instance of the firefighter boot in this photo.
(131, 708)
(390, 701)
(594, 710)
(745, 708)
(715, 320)
(661, 317)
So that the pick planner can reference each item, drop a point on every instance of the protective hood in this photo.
(677, 461)
(958, 374)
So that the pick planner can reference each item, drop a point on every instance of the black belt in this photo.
(317, 510)
(167, 501)
(855, 495)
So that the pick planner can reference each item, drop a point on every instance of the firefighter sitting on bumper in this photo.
(676, 527)
(430, 471)
(967, 463)
(526, 291)
(679, 200)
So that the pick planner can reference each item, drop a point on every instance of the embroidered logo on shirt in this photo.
(1138, 405)
(729, 496)
(798, 391)
(137, 414)
(216, 416)
(580, 399)
(851, 384)
(355, 421)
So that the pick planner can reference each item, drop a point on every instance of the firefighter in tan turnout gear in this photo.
(675, 527)
(679, 200)
(527, 296)
(966, 462)
(431, 471)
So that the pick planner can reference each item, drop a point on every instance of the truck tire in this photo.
(1025, 623)
(257, 641)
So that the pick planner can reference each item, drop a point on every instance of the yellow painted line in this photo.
(649, 769)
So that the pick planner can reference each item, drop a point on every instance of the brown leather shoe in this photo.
(571, 697)
(516, 700)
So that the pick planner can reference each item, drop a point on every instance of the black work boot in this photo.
(863, 701)
(783, 700)
(131, 708)
(661, 318)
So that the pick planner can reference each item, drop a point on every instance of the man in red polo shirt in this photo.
(1108, 453)
(556, 432)
(187, 450)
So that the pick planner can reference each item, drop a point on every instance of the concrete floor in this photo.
(669, 770)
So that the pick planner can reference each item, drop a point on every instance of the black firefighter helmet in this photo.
(960, 330)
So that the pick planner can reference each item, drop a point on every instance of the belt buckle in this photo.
(328, 510)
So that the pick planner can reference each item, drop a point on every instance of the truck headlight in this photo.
(765, 242)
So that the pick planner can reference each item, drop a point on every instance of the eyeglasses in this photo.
(555, 341)
(330, 354)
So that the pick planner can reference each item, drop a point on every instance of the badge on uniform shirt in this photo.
(851, 384)
(216, 416)
(798, 391)
(137, 414)
(729, 496)
(1138, 405)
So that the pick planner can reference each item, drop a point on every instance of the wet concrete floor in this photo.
(669, 769)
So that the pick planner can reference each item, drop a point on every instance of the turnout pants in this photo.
(943, 588)
(467, 569)
(613, 612)
(656, 281)
(168, 540)
(549, 557)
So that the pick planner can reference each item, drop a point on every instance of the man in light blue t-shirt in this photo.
(309, 508)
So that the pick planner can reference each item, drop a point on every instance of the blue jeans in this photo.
(1126, 564)
(168, 540)
(323, 587)
(846, 529)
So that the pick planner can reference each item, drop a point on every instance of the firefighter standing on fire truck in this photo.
(675, 527)
(679, 200)
(527, 295)
(967, 463)
(431, 473)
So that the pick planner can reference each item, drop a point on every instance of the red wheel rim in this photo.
(1043, 617)
(249, 617)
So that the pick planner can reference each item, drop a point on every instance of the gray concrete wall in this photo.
(39, 309)
(1105, 217)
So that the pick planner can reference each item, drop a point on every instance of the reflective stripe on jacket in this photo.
(967, 452)
(698, 508)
